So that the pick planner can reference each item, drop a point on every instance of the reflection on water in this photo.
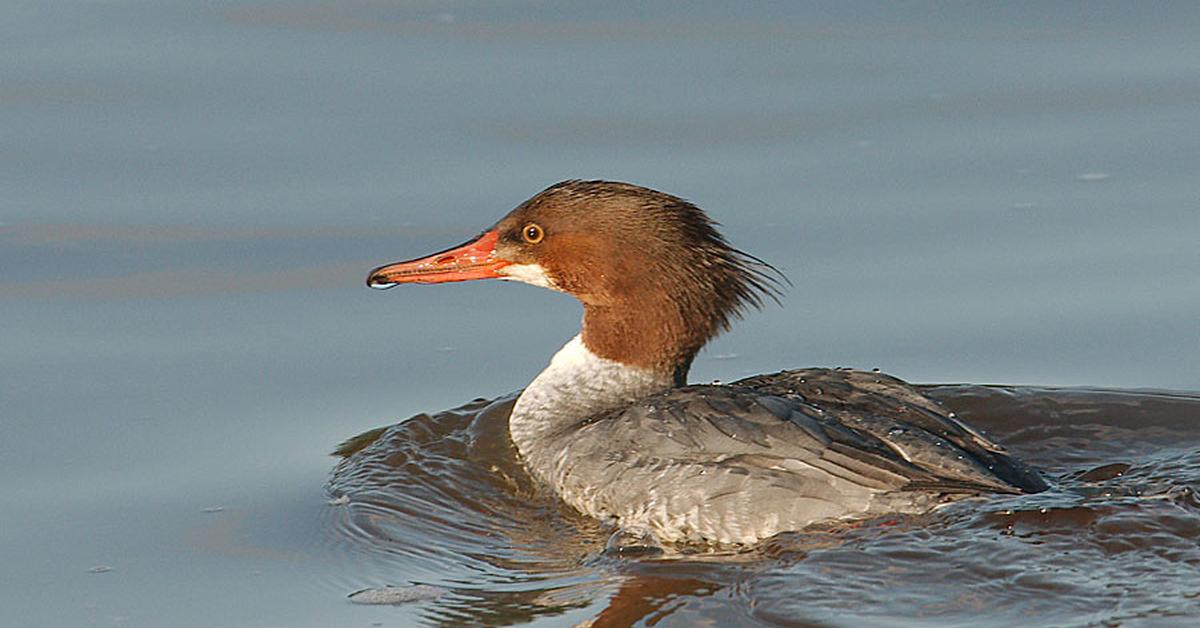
(1113, 540)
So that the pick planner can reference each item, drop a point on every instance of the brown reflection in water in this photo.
(226, 533)
(643, 598)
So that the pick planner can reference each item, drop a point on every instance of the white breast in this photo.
(577, 384)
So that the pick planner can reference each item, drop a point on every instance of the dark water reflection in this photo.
(440, 499)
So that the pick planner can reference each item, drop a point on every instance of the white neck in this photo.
(577, 384)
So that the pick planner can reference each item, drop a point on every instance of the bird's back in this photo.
(770, 453)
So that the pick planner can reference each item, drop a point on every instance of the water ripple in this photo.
(441, 500)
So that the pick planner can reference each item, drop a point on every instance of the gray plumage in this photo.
(770, 453)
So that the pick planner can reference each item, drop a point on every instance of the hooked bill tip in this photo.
(379, 282)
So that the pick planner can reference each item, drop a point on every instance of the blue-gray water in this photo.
(191, 194)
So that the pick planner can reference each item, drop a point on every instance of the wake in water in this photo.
(440, 512)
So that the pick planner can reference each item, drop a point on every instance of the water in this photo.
(443, 499)
(193, 193)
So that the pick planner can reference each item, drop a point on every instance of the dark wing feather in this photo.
(887, 410)
(870, 429)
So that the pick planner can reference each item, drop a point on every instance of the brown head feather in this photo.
(656, 278)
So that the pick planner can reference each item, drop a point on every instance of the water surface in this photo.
(193, 192)
(444, 499)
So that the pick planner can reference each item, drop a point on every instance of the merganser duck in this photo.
(613, 428)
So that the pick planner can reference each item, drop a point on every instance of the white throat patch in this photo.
(527, 273)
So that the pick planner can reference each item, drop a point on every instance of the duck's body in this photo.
(611, 426)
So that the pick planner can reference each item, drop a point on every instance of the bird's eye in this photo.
(533, 233)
